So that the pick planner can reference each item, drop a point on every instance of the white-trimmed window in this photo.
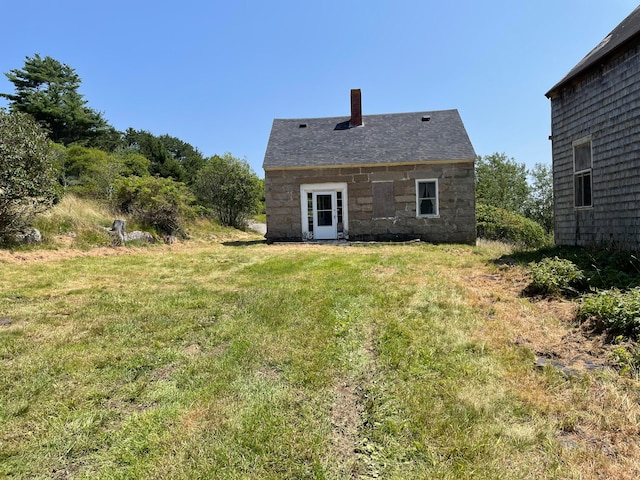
(427, 198)
(582, 166)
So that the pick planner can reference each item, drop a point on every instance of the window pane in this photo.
(323, 202)
(426, 207)
(310, 210)
(325, 218)
(427, 198)
(427, 190)
(431, 190)
(577, 190)
(582, 189)
(582, 155)
(587, 189)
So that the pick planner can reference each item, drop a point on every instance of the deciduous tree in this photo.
(539, 206)
(230, 188)
(27, 177)
(501, 182)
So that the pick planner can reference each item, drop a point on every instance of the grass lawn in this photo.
(244, 360)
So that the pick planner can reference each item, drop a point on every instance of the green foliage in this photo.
(27, 179)
(159, 203)
(539, 205)
(169, 156)
(132, 163)
(495, 223)
(91, 172)
(230, 188)
(626, 356)
(501, 182)
(613, 310)
(48, 90)
(189, 158)
(554, 276)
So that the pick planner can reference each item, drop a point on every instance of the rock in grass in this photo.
(28, 237)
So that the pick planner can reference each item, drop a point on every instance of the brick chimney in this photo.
(356, 108)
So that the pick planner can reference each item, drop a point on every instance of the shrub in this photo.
(27, 181)
(494, 223)
(626, 356)
(554, 276)
(612, 310)
(230, 188)
(159, 203)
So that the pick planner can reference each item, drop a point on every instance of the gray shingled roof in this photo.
(383, 139)
(623, 33)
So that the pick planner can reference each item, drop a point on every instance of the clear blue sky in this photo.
(215, 74)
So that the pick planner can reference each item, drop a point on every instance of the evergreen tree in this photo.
(48, 91)
(163, 163)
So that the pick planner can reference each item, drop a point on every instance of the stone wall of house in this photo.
(604, 105)
(454, 224)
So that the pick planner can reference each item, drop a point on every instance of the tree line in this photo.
(52, 143)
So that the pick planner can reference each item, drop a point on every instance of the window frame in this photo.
(436, 198)
(582, 176)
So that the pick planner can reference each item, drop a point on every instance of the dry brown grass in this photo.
(596, 412)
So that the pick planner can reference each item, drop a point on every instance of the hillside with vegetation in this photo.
(55, 145)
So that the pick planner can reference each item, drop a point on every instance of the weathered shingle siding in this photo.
(455, 224)
(605, 105)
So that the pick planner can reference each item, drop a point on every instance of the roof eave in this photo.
(597, 60)
(368, 165)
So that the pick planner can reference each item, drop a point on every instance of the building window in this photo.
(582, 161)
(427, 198)
(383, 200)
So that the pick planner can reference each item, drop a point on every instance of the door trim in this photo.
(308, 190)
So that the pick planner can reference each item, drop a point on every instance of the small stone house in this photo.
(595, 134)
(388, 177)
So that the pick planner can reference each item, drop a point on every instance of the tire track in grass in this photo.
(350, 448)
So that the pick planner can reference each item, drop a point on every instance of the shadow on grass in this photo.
(244, 243)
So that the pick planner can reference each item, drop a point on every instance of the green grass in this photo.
(260, 362)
